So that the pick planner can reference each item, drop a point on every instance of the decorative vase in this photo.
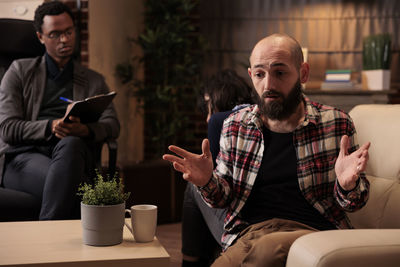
(102, 225)
(376, 79)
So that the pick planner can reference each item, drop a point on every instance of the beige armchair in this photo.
(376, 239)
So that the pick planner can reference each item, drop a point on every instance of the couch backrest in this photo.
(380, 124)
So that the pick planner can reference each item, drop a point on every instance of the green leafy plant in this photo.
(376, 52)
(172, 57)
(103, 192)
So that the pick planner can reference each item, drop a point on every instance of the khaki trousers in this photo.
(263, 244)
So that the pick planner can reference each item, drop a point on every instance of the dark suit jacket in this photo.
(21, 93)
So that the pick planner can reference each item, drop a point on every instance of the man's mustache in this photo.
(271, 92)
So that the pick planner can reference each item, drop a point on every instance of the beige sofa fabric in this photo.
(383, 207)
(379, 124)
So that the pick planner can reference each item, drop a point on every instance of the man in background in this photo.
(40, 153)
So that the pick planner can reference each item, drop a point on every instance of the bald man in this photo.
(287, 166)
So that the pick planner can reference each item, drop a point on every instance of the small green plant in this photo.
(103, 192)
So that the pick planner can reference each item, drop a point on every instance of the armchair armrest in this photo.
(346, 248)
(112, 147)
(112, 156)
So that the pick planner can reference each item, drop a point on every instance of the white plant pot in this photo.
(376, 79)
(102, 225)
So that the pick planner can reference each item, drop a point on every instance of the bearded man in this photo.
(287, 166)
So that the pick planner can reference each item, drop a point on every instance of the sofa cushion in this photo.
(346, 248)
(382, 209)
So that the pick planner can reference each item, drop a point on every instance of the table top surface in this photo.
(44, 242)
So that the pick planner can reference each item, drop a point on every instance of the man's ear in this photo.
(40, 37)
(304, 72)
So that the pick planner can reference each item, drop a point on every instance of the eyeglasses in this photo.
(57, 35)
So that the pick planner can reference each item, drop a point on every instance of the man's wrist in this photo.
(49, 128)
(205, 186)
(210, 186)
(350, 187)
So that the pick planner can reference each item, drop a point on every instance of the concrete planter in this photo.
(376, 79)
(102, 225)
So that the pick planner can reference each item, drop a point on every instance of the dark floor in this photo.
(170, 237)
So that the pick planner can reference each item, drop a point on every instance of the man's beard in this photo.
(281, 109)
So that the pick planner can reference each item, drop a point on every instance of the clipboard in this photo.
(89, 109)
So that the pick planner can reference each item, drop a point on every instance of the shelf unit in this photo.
(347, 99)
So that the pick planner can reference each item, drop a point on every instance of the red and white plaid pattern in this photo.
(317, 143)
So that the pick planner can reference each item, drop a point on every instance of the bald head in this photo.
(282, 41)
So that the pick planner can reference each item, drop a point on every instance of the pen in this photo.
(66, 99)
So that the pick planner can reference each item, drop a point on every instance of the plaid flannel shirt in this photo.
(317, 145)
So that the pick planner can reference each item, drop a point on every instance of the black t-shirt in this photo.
(276, 192)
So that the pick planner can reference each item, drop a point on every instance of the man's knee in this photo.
(272, 249)
(72, 141)
(72, 144)
(266, 252)
(74, 151)
(234, 255)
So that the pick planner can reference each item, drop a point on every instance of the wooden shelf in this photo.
(349, 92)
(347, 99)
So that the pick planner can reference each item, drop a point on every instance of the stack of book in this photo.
(338, 79)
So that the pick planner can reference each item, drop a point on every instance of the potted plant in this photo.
(172, 59)
(103, 211)
(164, 80)
(376, 62)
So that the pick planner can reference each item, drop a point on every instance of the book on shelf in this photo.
(338, 85)
(89, 109)
(342, 75)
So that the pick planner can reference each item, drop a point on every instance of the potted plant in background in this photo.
(165, 80)
(376, 62)
(172, 58)
(103, 211)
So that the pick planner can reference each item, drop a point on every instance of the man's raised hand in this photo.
(348, 166)
(196, 169)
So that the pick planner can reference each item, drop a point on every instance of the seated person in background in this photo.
(287, 166)
(202, 226)
(39, 153)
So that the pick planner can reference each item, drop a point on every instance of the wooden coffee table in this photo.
(59, 243)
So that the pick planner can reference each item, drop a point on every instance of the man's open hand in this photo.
(62, 129)
(196, 169)
(348, 166)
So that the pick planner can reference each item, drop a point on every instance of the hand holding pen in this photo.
(62, 129)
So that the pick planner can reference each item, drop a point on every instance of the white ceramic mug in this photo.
(143, 221)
